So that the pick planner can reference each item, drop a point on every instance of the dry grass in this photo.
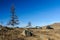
(40, 34)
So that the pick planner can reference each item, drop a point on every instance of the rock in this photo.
(27, 33)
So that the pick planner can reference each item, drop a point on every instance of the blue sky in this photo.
(39, 12)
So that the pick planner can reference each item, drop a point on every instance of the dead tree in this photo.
(14, 19)
(29, 25)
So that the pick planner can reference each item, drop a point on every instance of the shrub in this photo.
(40, 27)
(9, 28)
(49, 27)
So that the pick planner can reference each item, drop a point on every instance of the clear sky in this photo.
(39, 12)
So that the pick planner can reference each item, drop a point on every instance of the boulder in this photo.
(27, 33)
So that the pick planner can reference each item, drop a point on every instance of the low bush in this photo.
(49, 27)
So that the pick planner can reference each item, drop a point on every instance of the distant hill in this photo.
(54, 25)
